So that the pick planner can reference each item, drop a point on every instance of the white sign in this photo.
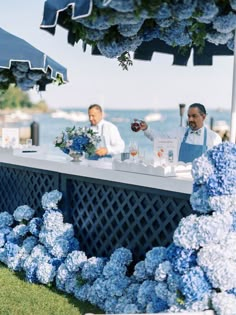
(165, 151)
(10, 137)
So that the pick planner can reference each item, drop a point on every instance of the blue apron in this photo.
(188, 152)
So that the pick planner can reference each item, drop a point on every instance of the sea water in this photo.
(50, 127)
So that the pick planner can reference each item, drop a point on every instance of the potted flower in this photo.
(77, 141)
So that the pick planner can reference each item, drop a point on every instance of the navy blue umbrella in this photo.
(53, 12)
(25, 65)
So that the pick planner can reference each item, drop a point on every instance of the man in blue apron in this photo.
(195, 139)
(111, 143)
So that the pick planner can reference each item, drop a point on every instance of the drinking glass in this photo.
(133, 150)
(141, 155)
(28, 143)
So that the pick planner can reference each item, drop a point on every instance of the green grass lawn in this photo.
(18, 297)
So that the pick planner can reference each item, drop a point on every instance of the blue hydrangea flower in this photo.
(94, 35)
(122, 256)
(35, 226)
(140, 273)
(153, 258)
(156, 306)
(219, 38)
(199, 199)
(61, 277)
(164, 12)
(116, 285)
(194, 232)
(23, 213)
(147, 295)
(128, 30)
(75, 261)
(219, 263)
(3, 235)
(53, 220)
(45, 272)
(225, 23)
(71, 283)
(51, 199)
(6, 219)
(176, 35)
(194, 284)
(202, 168)
(208, 11)
(60, 248)
(98, 21)
(114, 269)
(162, 271)
(117, 46)
(222, 203)
(29, 243)
(92, 268)
(180, 258)
(183, 9)
(98, 292)
(81, 292)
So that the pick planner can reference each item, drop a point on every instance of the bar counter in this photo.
(108, 208)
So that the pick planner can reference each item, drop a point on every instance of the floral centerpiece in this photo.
(77, 141)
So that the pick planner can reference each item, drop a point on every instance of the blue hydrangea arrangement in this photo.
(77, 140)
(117, 26)
(197, 272)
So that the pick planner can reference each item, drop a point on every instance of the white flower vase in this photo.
(76, 156)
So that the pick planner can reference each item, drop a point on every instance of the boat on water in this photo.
(72, 116)
(153, 117)
(221, 126)
(16, 116)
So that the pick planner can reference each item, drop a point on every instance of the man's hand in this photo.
(101, 151)
(143, 125)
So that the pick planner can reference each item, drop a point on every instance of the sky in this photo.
(151, 85)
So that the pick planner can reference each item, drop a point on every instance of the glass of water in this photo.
(28, 143)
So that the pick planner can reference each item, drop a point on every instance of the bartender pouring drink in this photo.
(112, 141)
(193, 140)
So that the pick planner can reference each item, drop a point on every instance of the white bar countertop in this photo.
(59, 162)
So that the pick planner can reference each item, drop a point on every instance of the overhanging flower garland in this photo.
(196, 272)
(116, 27)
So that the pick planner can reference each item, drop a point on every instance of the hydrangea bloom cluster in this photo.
(77, 140)
(196, 272)
(26, 78)
(126, 24)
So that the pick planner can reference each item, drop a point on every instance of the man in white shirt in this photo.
(195, 139)
(113, 143)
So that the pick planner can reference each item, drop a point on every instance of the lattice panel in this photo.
(108, 217)
(19, 186)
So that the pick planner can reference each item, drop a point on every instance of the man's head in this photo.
(95, 114)
(196, 116)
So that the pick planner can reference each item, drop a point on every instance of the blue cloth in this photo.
(188, 152)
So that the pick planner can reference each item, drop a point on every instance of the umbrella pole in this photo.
(233, 104)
